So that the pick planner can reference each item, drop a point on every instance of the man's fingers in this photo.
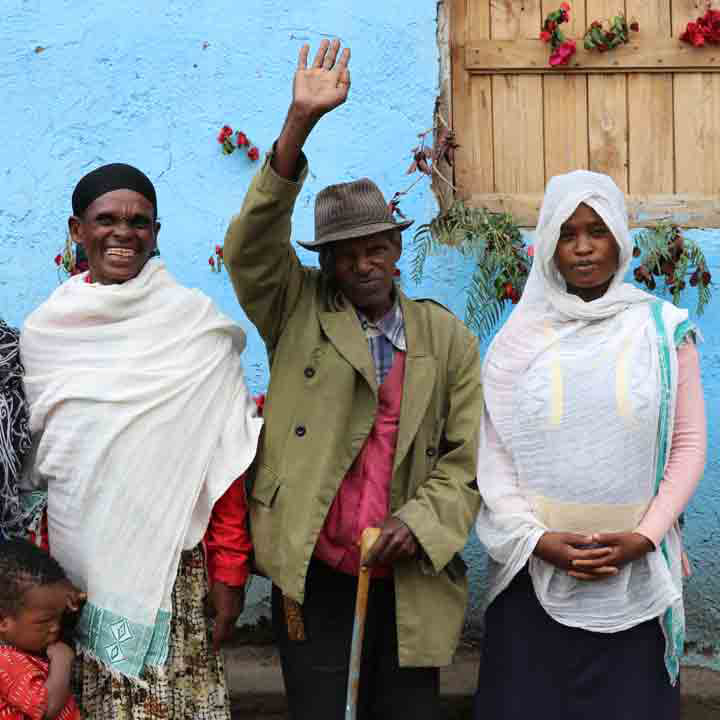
(303, 56)
(320, 54)
(343, 61)
(331, 55)
(371, 558)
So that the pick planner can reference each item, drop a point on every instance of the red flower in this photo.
(562, 54)
(260, 402)
(253, 153)
(58, 259)
(211, 262)
(635, 26)
(706, 278)
(225, 132)
(552, 26)
(545, 36)
(565, 6)
(531, 251)
(242, 139)
(219, 250)
(88, 279)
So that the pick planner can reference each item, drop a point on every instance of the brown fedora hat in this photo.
(351, 210)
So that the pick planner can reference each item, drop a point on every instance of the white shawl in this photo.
(580, 398)
(142, 421)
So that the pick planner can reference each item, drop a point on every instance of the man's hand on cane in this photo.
(396, 542)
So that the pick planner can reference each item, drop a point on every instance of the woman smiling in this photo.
(143, 423)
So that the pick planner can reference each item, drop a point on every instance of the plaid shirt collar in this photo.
(391, 326)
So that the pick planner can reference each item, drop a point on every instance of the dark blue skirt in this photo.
(534, 667)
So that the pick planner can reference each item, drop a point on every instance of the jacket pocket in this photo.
(265, 486)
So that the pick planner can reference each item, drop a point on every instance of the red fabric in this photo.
(41, 539)
(23, 695)
(227, 540)
(363, 499)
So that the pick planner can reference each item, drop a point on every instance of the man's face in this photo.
(119, 233)
(364, 268)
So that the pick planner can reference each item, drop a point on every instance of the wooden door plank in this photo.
(518, 133)
(650, 107)
(513, 19)
(651, 143)
(472, 101)
(686, 210)
(641, 54)
(607, 126)
(696, 121)
(566, 123)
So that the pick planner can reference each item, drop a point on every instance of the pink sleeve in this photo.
(687, 452)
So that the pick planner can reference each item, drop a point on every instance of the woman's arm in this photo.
(686, 463)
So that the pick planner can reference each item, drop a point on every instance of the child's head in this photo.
(34, 595)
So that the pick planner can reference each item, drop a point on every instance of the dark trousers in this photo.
(316, 671)
(535, 667)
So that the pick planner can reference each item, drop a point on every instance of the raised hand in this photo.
(324, 85)
(317, 90)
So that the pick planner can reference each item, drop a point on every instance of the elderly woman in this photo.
(592, 443)
(143, 423)
(14, 434)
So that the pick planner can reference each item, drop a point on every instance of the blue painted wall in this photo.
(150, 83)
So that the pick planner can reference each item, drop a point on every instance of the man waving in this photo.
(371, 420)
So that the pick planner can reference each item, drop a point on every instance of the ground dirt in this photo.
(257, 691)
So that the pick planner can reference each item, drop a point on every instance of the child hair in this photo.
(22, 566)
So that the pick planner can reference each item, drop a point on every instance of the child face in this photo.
(37, 623)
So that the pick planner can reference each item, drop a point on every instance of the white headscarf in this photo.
(569, 440)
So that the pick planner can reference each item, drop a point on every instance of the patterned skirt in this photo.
(192, 684)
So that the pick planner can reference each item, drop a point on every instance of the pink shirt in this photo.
(363, 499)
(687, 452)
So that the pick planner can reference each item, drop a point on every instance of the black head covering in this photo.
(105, 179)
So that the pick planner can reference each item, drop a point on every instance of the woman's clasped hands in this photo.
(592, 557)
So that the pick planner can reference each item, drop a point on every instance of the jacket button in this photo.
(309, 372)
(300, 430)
(430, 452)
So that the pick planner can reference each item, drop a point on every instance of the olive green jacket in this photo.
(319, 410)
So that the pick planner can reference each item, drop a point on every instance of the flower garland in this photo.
(604, 36)
(665, 252)
(705, 30)
(225, 138)
(562, 48)
(502, 262)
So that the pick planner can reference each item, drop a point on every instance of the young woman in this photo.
(592, 444)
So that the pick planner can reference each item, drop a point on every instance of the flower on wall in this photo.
(232, 141)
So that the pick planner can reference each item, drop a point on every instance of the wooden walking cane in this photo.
(369, 536)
